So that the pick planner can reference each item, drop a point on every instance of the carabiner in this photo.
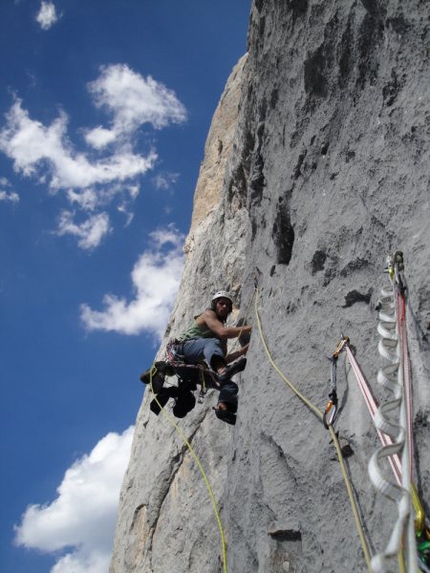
(330, 411)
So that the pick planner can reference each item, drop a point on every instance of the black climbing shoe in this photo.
(156, 404)
(162, 398)
(233, 369)
(185, 402)
(155, 376)
(225, 416)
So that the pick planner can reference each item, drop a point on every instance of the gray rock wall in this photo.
(323, 171)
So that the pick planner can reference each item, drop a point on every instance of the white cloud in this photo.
(6, 194)
(87, 199)
(165, 180)
(84, 513)
(99, 137)
(47, 15)
(131, 192)
(31, 145)
(9, 197)
(90, 233)
(155, 278)
(95, 562)
(92, 178)
(133, 101)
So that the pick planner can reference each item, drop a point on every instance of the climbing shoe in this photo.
(184, 403)
(162, 398)
(233, 369)
(155, 376)
(225, 416)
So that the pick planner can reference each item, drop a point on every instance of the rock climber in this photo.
(206, 339)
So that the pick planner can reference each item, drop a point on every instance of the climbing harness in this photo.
(175, 359)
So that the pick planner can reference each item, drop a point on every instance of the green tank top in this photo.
(197, 331)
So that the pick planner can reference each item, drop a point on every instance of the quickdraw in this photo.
(395, 266)
(331, 409)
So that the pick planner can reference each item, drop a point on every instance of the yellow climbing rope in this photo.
(202, 471)
(319, 414)
(354, 508)
(272, 362)
(248, 306)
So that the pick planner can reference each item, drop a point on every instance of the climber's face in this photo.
(223, 307)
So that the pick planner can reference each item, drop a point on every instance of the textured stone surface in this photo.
(217, 149)
(326, 173)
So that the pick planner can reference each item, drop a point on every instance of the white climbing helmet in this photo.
(221, 294)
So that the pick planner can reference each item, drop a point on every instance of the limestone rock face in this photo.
(218, 149)
(316, 167)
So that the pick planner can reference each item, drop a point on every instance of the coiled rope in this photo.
(392, 433)
(394, 419)
(372, 406)
(203, 473)
(319, 415)
(421, 530)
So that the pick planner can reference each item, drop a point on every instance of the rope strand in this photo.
(319, 415)
(203, 473)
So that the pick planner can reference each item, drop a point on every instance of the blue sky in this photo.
(104, 111)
